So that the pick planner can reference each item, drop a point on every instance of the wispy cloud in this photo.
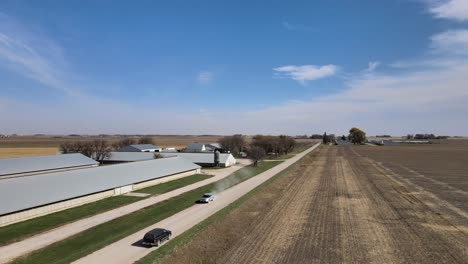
(303, 73)
(450, 9)
(372, 66)
(33, 55)
(205, 77)
(453, 41)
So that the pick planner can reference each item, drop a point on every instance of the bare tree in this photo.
(98, 149)
(256, 154)
(66, 148)
(234, 144)
(102, 149)
(146, 140)
(272, 144)
(123, 143)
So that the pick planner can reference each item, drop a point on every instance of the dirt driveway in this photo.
(334, 206)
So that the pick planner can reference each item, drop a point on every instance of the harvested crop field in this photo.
(339, 206)
(22, 146)
(24, 152)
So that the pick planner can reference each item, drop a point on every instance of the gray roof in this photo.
(204, 157)
(138, 147)
(198, 147)
(215, 145)
(43, 163)
(195, 147)
(27, 192)
(130, 156)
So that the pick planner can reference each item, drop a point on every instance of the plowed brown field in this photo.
(338, 205)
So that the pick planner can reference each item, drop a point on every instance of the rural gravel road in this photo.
(12, 251)
(128, 250)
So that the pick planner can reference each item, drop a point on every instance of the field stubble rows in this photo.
(336, 206)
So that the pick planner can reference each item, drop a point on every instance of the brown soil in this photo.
(336, 206)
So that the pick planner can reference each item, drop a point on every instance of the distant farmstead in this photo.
(202, 147)
(140, 148)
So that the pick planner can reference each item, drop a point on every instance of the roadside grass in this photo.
(291, 154)
(28, 228)
(300, 149)
(280, 157)
(95, 238)
(187, 236)
(175, 184)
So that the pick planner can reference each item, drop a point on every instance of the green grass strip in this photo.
(188, 235)
(95, 238)
(26, 229)
(175, 184)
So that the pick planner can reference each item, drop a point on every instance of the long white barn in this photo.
(204, 159)
(13, 167)
(32, 196)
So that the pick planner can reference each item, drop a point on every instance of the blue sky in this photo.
(223, 67)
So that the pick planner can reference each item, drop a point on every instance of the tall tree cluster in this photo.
(357, 136)
(274, 144)
(234, 144)
(146, 140)
(123, 143)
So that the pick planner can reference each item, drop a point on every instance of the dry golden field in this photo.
(48, 145)
(23, 152)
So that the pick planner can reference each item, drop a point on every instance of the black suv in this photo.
(156, 236)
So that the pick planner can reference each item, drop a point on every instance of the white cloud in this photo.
(33, 55)
(420, 101)
(453, 42)
(372, 66)
(303, 73)
(430, 96)
(451, 9)
(205, 77)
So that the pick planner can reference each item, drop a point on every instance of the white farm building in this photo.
(205, 159)
(32, 196)
(140, 148)
(15, 167)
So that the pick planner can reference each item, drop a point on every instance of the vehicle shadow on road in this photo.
(139, 243)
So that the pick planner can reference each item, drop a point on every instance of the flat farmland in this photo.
(24, 152)
(344, 205)
(48, 145)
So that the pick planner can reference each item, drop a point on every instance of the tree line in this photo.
(100, 149)
(259, 147)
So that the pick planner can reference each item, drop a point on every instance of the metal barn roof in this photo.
(27, 192)
(202, 147)
(139, 147)
(195, 147)
(204, 157)
(43, 163)
(130, 156)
